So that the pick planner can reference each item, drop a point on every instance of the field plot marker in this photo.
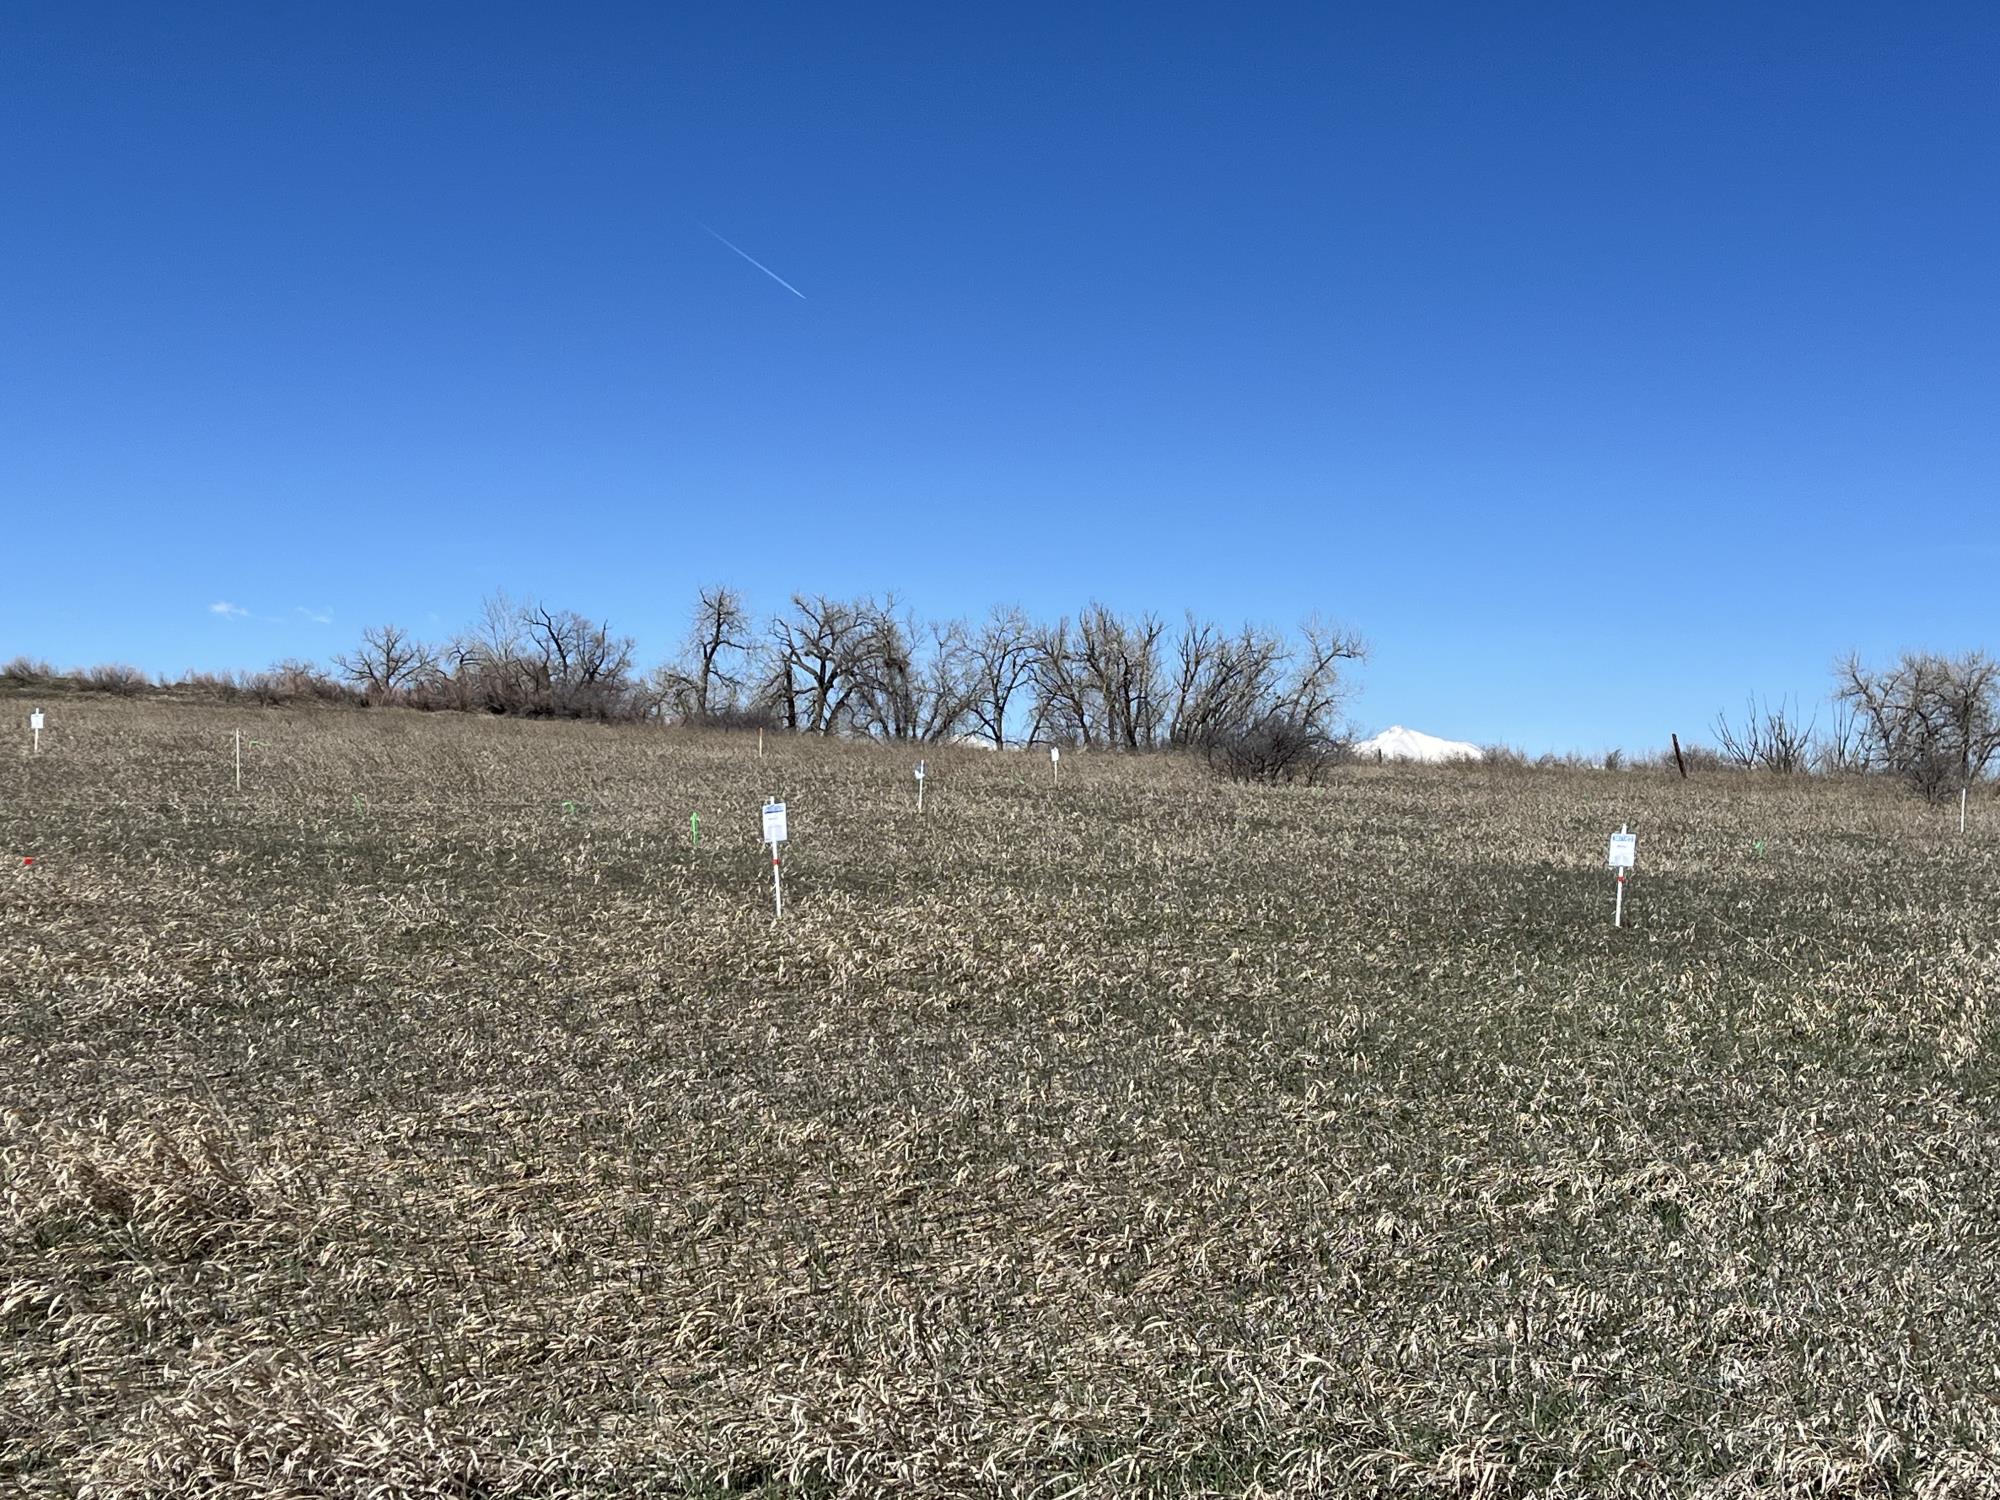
(35, 721)
(239, 760)
(1624, 854)
(774, 835)
(920, 788)
(694, 829)
(1055, 763)
(1961, 808)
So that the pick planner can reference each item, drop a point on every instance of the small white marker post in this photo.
(1961, 807)
(920, 786)
(760, 742)
(239, 760)
(1624, 854)
(35, 728)
(774, 835)
(1055, 763)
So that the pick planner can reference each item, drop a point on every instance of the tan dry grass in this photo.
(391, 1130)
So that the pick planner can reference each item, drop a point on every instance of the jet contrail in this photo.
(759, 265)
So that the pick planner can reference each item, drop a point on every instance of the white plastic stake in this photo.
(1961, 808)
(920, 786)
(239, 760)
(760, 742)
(1055, 763)
(1624, 854)
(774, 835)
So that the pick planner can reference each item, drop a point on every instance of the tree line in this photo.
(1930, 719)
(1261, 703)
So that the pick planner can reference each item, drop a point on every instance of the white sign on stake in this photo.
(920, 786)
(774, 835)
(1624, 855)
(35, 724)
(1055, 761)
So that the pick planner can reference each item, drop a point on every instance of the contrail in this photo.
(759, 265)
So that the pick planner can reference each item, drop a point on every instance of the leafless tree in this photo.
(1836, 749)
(914, 683)
(576, 668)
(819, 655)
(706, 682)
(1766, 738)
(717, 647)
(1062, 702)
(387, 663)
(1932, 720)
(1222, 682)
(1283, 701)
(998, 660)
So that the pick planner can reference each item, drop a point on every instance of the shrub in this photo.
(25, 672)
(1276, 748)
(113, 677)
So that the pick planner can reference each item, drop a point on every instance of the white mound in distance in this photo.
(1398, 743)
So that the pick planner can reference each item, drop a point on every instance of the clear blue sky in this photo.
(1599, 362)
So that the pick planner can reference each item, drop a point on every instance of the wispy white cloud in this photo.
(229, 611)
(317, 616)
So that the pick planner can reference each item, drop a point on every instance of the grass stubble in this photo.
(392, 1128)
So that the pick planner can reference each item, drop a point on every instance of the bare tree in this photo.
(706, 682)
(1123, 660)
(1222, 683)
(1062, 701)
(1766, 738)
(998, 661)
(1932, 720)
(387, 663)
(914, 683)
(1317, 691)
(1283, 702)
(576, 669)
(819, 654)
(717, 648)
(1837, 750)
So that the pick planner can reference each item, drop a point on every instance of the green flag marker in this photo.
(360, 803)
(694, 828)
(569, 808)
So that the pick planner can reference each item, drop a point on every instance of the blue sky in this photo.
(1600, 363)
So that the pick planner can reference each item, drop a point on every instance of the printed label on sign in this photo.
(35, 719)
(920, 770)
(1624, 850)
(1055, 752)
(774, 823)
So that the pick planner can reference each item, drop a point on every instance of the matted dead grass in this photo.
(394, 1129)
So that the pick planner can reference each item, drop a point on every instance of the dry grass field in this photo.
(431, 1119)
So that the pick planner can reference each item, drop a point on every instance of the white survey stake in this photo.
(775, 834)
(1623, 856)
(35, 722)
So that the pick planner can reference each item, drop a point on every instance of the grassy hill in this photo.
(432, 1118)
